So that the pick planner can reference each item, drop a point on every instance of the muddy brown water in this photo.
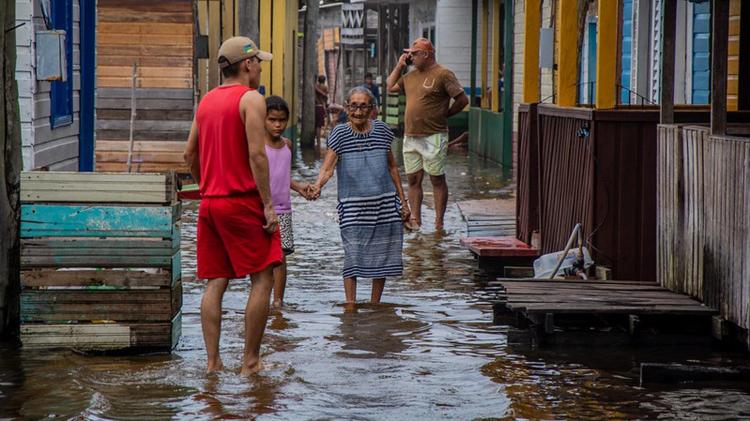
(430, 351)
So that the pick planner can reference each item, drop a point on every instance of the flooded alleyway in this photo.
(429, 352)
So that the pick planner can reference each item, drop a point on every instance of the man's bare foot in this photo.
(251, 368)
(350, 307)
(213, 367)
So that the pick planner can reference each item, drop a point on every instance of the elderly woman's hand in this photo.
(405, 211)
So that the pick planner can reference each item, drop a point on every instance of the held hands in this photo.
(311, 192)
(405, 211)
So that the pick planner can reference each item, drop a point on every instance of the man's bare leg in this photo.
(440, 193)
(211, 320)
(256, 316)
(377, 290)
(415, 196)
(279, 284)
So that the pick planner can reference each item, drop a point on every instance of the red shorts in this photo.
(231, 240)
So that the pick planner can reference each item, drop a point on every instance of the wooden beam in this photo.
(719, 45)
(485, 21)
(606, 54)
(532, 26)
(669, 23)
(473, 77)
(567, 34)
(743, 94)
(266, 8)
(309, 67)
(497, 25)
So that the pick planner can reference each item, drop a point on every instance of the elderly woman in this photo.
(371, 203)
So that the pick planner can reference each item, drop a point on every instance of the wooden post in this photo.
(132, 115)
(485, 13)
(719, 45)
(606, 54)
(567, 34)
(10, 173)
(743, 90)
(310, 66)
(248, 19)
(508, 40)
(497, 25)
(265, 25)
(473, 77)
(532, 26)
(669, 22)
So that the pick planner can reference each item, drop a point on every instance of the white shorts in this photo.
(426, 153)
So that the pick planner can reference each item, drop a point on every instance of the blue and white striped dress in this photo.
(368, 205)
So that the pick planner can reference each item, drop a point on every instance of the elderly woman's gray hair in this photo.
(361, 90)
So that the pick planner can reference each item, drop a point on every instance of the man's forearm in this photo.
(458, 106)
(393, 77)
(259, 166)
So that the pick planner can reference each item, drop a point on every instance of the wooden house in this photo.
(217, 20)
(57, 114)
(154, 39)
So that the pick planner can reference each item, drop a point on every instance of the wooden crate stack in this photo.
(100, 261)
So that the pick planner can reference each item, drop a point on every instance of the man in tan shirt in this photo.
(429, 88)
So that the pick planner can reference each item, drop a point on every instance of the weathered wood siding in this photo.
(704, 218)
(527, 197)
(680, 224)
(56, 149)
(726, 188)
(158, 38)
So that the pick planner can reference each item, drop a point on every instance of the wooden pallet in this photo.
(548, 307)
(100, 261)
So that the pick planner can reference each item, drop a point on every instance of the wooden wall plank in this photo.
(95, 221)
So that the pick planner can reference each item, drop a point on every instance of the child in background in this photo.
(279, 152)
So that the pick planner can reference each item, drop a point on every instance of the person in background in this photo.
(375, 89)
(321, 107)
(429, 89)
(279, 152)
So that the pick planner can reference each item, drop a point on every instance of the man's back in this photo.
(428, 94)
(225, 168)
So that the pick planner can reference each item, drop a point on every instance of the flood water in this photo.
(430, 351)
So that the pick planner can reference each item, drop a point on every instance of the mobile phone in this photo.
(408, 60)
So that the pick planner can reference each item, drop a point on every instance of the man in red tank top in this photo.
(237, 225)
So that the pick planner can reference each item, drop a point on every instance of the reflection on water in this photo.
(428, 351)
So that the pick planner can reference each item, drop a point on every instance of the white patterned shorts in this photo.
(426, 152)
(287, 235)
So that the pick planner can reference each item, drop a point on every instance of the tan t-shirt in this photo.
(428, 95)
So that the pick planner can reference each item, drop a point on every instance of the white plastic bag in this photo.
(544, 265)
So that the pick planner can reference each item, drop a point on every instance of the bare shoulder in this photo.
(288, 142)
(252, 100)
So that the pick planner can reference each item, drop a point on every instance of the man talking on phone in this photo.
(429, 88)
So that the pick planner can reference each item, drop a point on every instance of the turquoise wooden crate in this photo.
(100, 260)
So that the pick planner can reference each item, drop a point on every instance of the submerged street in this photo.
(430, 351)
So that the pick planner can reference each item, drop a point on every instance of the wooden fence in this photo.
(704, 218)
(597, 167)
(100, 261)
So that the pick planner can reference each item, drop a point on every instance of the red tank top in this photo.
(222, 144)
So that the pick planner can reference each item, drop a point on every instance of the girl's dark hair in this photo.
(277, 103)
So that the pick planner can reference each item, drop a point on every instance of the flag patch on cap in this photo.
(248, 48)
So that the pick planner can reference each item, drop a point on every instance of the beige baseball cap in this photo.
(236, 49)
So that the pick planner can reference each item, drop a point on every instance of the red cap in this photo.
(420, 44)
